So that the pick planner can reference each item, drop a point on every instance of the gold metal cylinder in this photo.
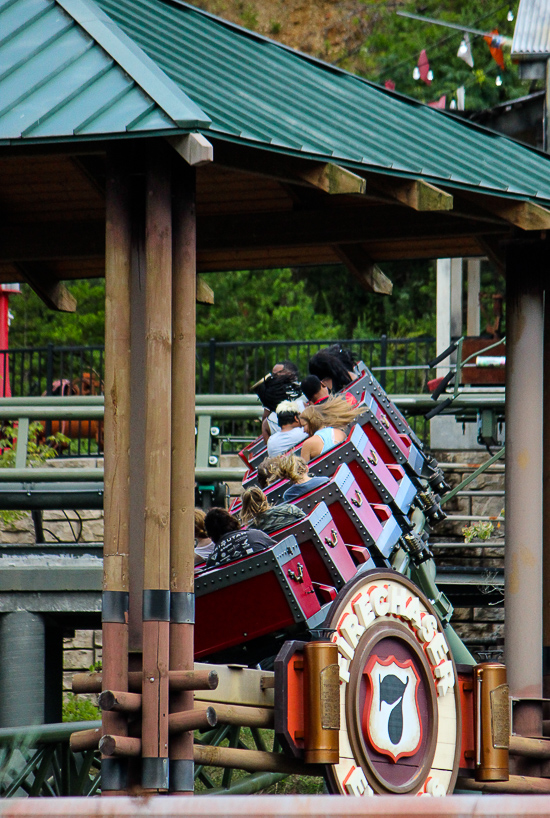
(492, 714)
(322, 703)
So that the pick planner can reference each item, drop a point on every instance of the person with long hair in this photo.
(257, 512)
(293, 468)
(326, 426)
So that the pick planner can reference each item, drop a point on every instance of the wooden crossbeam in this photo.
(525, 215)
(330, 225)
(491, 247)
(325, 176)
(415, 193)
(363, 268)
(205, 294)
(333, 179)
(53, 293)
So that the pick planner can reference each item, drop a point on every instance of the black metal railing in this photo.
(231, 367)
(223, 367)
(52, 370)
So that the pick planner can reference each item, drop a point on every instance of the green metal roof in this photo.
(263, 93)
(66, 69)
(152, 66)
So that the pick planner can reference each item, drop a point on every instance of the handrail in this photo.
(45, 733)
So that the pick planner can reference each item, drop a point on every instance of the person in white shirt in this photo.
(291, 434)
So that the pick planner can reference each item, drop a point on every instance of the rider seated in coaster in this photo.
(266, 472)
(315, 391)
(333, 371)
(203, 544)
(257, 512)
(293, 468)
(279, 385)
(291, 434)
(326, 424)
(231, 542)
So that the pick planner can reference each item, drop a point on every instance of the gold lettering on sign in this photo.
(330, 697)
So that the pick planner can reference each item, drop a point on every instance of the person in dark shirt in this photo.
(231, 542)
(291, 467)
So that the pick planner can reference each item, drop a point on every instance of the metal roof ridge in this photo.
(136, 63)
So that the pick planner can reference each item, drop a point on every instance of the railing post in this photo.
(212, 365)
(383, 359)
(49, 370)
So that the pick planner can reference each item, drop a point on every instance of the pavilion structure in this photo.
(147, 141)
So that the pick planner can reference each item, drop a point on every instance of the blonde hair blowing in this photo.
(254, 502)
(335, 412)
(291, 467)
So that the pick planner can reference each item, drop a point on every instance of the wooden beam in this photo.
(491, 247)
(205, 294)
(333, 179)
(525, 215)
(414, 193)
(48, 240)
(330, 225)
(325, 176)
(363, 268)
(53, 293)
(194, 148)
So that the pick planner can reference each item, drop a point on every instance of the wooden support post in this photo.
(524, 507)
(156, 567)
(183, 458)
(117, 464)
(473, 266)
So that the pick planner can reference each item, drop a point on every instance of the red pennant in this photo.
(493, 40)
(424, 67)
(390, 85)
(439, 103)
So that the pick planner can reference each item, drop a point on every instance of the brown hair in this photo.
(267, 471)
(218, 522)
(291, 467)
(254, 502)
(335, 412)
(200, 530)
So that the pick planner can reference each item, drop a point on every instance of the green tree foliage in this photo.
(263, 305)
(391, 51)
(408, 312)
(33, 324)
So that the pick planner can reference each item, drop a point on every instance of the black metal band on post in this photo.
(182, 608)
(114, 774)
(155, 773)
(114, 606)
(182, 775)
(156, 606)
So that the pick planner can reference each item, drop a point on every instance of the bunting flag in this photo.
(439, 103)
(494, 41)
(465, 50)
(424, 68)
(390, 85)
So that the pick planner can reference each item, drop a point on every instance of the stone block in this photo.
(493, 614)
(98, 638)
(78, 659)
(81, 639)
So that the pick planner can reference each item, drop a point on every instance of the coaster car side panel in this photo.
(252, 597)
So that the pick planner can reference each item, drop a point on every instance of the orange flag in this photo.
(494, 41)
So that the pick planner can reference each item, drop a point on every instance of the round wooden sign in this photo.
(399, 696)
